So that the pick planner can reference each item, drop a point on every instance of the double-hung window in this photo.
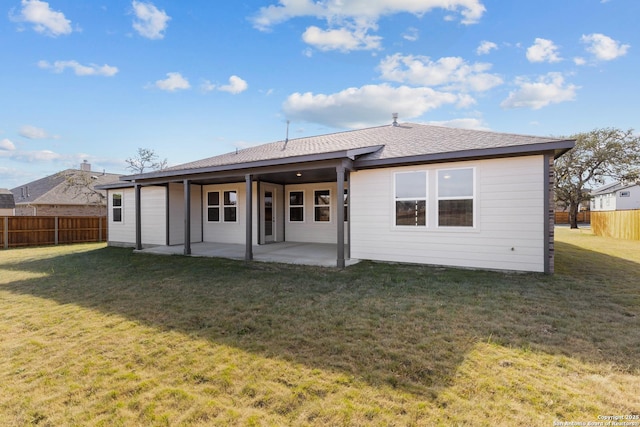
(230, 206)
(322, 205)
(116, 203)
(213, 206)
(456, 197)
(296, 206)
(411, 198)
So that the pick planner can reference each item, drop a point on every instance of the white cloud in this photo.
(452, 73)
(579, 60)
(44, 20)
(604, 48)
(543, 50)
(364, 106)
(79, 69)
(150, 21)
(548, 89)
(173, 82)
(486, 47)
(340, 39)
(236, 85)
(33, 132)
(7, 145)
(351, 20)
(467, 123)
(411, 34)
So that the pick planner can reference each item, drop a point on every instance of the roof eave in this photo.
(558, 148)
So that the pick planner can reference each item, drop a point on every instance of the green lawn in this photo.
(91, 335)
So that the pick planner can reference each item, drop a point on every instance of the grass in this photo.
(92, 335)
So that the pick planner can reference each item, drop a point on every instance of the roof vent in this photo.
(85, 166)
(395, 119)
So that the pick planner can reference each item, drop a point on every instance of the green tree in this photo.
(144, 160)
(598, 156)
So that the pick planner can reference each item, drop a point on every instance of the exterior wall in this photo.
(7, 212)
(228, 232)
(629, 202)
(153, 208)
(604, 202)
(509, 224)
(310, 230)
(61, 210)
(123, 233)
(176, 214)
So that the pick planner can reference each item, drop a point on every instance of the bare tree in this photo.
(598, 155)
(145, 159)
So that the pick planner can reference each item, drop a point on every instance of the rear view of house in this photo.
(402, 193)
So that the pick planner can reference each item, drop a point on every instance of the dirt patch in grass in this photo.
(95, 335)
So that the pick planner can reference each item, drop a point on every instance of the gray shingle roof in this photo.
(405, 140)
(6, 199)
(56, 189)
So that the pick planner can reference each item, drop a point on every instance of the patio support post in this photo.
(340, 216)
(138, 218)
(348, 218)
(248, 254)
(187, 217)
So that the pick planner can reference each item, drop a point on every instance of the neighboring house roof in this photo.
(6, 199)
(374, 147)
(69, 187)
(613, 187)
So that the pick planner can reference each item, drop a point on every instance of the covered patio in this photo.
(320, 254)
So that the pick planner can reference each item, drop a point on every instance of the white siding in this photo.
(176, 214)
(228, 232)
(509, 218)
(122, 233)
(153, 205)
(632, 201)
(309, 230)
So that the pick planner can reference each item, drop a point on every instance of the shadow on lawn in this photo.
(407, 326)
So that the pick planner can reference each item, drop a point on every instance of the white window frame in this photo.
(473, 198)
(408, 199)
(289, 206)
(315, 206)
(114, 207)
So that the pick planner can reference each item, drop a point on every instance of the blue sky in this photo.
(95, 80)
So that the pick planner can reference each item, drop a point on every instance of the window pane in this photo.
(230, 198)
(296, 213)
(213, 214)
(411, 184)
(117, 214)
(322, 197)
(117, 200)
(322, 214)
(213, 198)
(455, 213)
(296, 198)
(230, 214)
(412, 212)
(455, 183)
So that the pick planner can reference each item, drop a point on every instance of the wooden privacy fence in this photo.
(563, 217)
(19, 231)
(617, 224)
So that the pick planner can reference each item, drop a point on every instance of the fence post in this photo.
(56, 228)
(6, 232)
(99, 229)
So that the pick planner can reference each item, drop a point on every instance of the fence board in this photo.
(617, 224)
(22, 231)
(563, 217)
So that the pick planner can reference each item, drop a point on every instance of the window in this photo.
(455, 197)
(346, 204)
(213, 206)
(411, 198)
(296, 206)
(230, 206)
(116, 203)
(322, 205)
